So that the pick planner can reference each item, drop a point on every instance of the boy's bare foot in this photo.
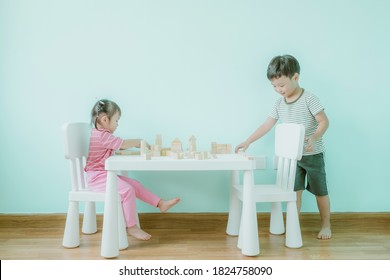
(138, 233)
(165, 205)
(325, 233)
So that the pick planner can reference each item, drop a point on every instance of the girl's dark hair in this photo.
(103, 107)
(283, 65)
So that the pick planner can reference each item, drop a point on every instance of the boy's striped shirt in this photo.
(301, 111)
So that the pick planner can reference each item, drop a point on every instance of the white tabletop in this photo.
(138, 163)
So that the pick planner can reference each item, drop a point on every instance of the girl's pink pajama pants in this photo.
(129, 189)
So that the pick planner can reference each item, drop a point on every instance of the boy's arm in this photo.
(131, 143)
(323, 124)
(260, 132)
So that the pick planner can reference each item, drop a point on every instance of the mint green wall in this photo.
(190, 67)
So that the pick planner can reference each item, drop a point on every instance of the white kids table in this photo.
(246, 227)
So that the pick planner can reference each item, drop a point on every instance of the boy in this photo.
(299, 106)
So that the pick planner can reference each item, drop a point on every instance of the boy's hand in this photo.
(243, 146)
(309, 143)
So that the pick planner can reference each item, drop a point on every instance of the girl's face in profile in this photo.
(113, 123)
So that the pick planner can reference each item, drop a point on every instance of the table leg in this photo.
(233, 224)
(110, 236)
(249, 238)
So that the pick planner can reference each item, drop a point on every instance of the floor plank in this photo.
(199, 236)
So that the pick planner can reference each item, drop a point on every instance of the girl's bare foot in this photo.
(325, 233)
(138, 233)
(165, 205)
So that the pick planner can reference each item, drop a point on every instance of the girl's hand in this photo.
(138, 143)
(133, 143)
(147, 145)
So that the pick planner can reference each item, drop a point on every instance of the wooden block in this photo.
(221, 148)
(228, 149)
(148, 156)
(155, 153)
(127, 153)
(174, 155)
(143, 147)
(176, 146)
(198, 156)
(158, 140)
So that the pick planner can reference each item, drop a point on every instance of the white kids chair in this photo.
(289, 140)
(76, 141)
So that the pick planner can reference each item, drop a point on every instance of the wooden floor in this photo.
(356, 236)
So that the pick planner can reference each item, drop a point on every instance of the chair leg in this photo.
(72, 226)
(234, 218)
(239, 239)
(123, 242)
(89, 220)
(276, 223)
(293, 229)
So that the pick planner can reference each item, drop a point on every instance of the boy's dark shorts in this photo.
(312, 168)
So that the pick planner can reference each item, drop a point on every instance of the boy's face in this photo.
(285, 86)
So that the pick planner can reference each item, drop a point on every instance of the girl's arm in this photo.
(132, 143)
(260, 132)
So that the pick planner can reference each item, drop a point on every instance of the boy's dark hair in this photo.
(283, 65)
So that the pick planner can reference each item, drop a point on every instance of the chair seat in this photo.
(87, 195)
(268, 193)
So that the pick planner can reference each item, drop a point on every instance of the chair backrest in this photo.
(76, 144)
(289, 141)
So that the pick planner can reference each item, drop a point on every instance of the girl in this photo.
(105, 116)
